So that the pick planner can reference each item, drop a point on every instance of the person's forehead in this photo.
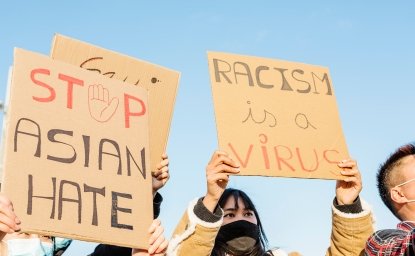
(407, 166)
(20, 235)
(230, 203)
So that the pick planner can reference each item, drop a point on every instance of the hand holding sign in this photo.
(96, 188)
(217, 177)
(161, 175)
(158, 243)
(348, 190)
(100, 107)
(282, 120)
(9, 222)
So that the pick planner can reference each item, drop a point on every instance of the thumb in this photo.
(113, 105)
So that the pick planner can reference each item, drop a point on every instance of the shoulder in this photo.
(385, 234)
(389, 237)
(389, 240)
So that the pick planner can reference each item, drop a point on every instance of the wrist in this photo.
(210, 202)
(206, 215)
(345, 201)
(353, 207)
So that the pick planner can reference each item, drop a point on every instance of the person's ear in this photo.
(398, 196)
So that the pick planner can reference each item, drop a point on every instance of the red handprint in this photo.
(100, 107)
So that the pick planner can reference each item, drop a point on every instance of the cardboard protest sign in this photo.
(76, 153)
(162, 83)
(277, 118)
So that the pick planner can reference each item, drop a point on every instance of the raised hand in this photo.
(348, 190)
(9, 222)
(100, 106)
(218, 170)
(158, 243)
(161, 175)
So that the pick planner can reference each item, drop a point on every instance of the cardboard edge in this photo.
(212, 100)
(78, 237)
(172, 107)
(334, 177)
(269, 59)
(17, 52)
(56, 40)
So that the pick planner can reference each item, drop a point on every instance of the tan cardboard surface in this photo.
(161, 82)
(277, 118)
(72, 167)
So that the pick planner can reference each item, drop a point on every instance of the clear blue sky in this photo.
(368, 46)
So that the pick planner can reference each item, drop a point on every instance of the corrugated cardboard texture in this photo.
(161, 82)
(277, 118)
(76, 155)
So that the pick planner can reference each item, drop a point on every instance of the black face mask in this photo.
(238, 237)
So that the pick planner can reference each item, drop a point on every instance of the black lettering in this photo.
(30, 197)
(247, 72)
(324, 79)
(258, 70)
(301, 121)
(36, 135)
(117, 148)
(51, 136)
(115, 209)
(90, 60)
(285, 86)
(218, 72)
(62, 199)
(142, 170)
(94, 191)
(110, 74)
(299, 71)
(86, 140)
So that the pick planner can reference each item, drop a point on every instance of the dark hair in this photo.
(259, 249)
(385, 178)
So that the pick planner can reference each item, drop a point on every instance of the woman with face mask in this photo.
(241, 232)
(225, 222)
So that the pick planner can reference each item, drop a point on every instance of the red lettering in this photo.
(285, 158)
(264, 149)
(52, 93)
(280, 159)
(128, 113)
(326, 158)
(301, 160)
(248, 154)
(71, 81)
